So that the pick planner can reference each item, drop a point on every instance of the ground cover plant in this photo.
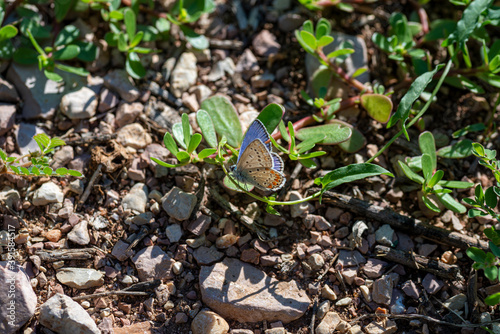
(167, 165)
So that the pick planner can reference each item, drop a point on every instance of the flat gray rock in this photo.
(7, 117)
(49, 192)
(80, 278)
(239, 291)
(153, 263)
(17, 296)
(24, 137)
(178, 204)
(63, 315)
(136, 198)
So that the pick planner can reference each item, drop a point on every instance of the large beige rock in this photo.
(239, 291)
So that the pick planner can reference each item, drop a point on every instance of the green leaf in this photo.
(130, 23)
(355, 143)
(134, 67)
(7, 32)
(476, 212)
(340, 52)
(491, 273)
(67, 35)
(283, 131)
(61, 8)
(35, 170)
(197, 41)
(178, 134)
(467, 23)
(462, 82)
(194, 142)
(62, 171)
(186, 129)
(427, 167)
(47, 171)
(183, 156)
(430, 204)
(228, 183)
(271, 210)
(206, 153)
(68, 52)
(309, 40)
(478, 150)
(490, 198)
(25, 56)
(493, 299)
(163, 163)
(469, 128)
(170, 144)
(493, 235)
(137, 39)
(456, 184)
(362, 70)
(53, 76)
(440, 28)
(438, 175)
(74, 173)
(207, 127)
(400, 27)
(325, 40)
(378, 106)
(75, 70)
(476, 254)
(494, 249)
(224, 118)
(449, 202)
(3, 156)
(460, 150)
(349, 173)
(427, 146)
(271, 116)
(122, 42)
(323, 28)
(416, 89)
(308, 163)
(335, 134)
(411, 174)
(88, 51)
(55, 142)
(382, 42)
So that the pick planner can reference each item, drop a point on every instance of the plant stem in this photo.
(420, 114)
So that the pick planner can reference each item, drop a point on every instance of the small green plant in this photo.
(432, 179)
(38, 162)
(221, 134)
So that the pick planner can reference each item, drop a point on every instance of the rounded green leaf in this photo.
(335, 134)
(476, 254)
(224, 118)
(183, 156)
(491, 273)
(194, 142)
(271, 116)
(134, 67)
(309, 40)
(73, 172)
(428, 146)
(207, 127)
(450, 203)
(460, 150)
(170, 144)
(67, 35)
(88, 51)
(47, 171)
(206, 153)
(25, 56)
(7, 32)
(197, 41)
(62, 171)
(130, 23)
(350, 173)
(493, 299)
(378, 106)
(68, 52)
(52, 76)
(75, 70)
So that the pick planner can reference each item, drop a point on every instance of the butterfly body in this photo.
(256, 164)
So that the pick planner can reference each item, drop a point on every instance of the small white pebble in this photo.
(177, 268)
(344, 301)
(85, 304)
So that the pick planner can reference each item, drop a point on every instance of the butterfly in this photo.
(257, 164)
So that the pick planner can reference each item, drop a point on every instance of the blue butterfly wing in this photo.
(257, 130)
(277, 162)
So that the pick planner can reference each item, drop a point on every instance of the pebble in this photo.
(262, 81)
(174, 233)
(63, 156)
(200, 225)
(386, 327)
(9, 196)
(53, 235)
(62, 314)
(426, 249)
(221, 68)
(7, 116)
(136, 199)
(207, 256)
(257, 297)
(315, 262)
(178, 204)
(344, 301)
(374, 268)
(328, 324)
(290, 21)
(201, 92)
(24, 137)
(126, 113)
(80, 104)
(134, 135)
(456, 302)
(301, 209)
(328, 293)
(323, 308)
(80, 234)
(432, 284)
(411, 290)
(80, 278)
(184, 74)
(247, 65)
(49, 192)
(107, 100)
(384, 235)
(382, 290)
(177, 268)
(120, 82)
(265, 44)
(366, 293)
(8, 93)
(350, 258)
(17, 288)
(350, 274)
(153, 263)
(208, 322)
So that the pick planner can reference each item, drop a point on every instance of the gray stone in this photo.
(126, 113)
(120, 250)
(384, 235)
(350, 258)
(7, 117)
(134, 135)
(239, 291)
(49, 192)
(329, 323)
(24, 138)
(178, 204)
(184, 74)
(265, 44)
(7, 92)
(80, 234)
(382, 290)
(63, 315)
(206, 256)
(17, 296)
(137, 198)
(456, 302)
(80, 278)
(432, 284)
(247, 64)
(9, 196)
(63, 156)
(290, 21)
(120, 82)
(107, 100)
(153, 263)
(41, 96)
(174, 232)
(79, 104)
(221, 68)
(208, 322)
